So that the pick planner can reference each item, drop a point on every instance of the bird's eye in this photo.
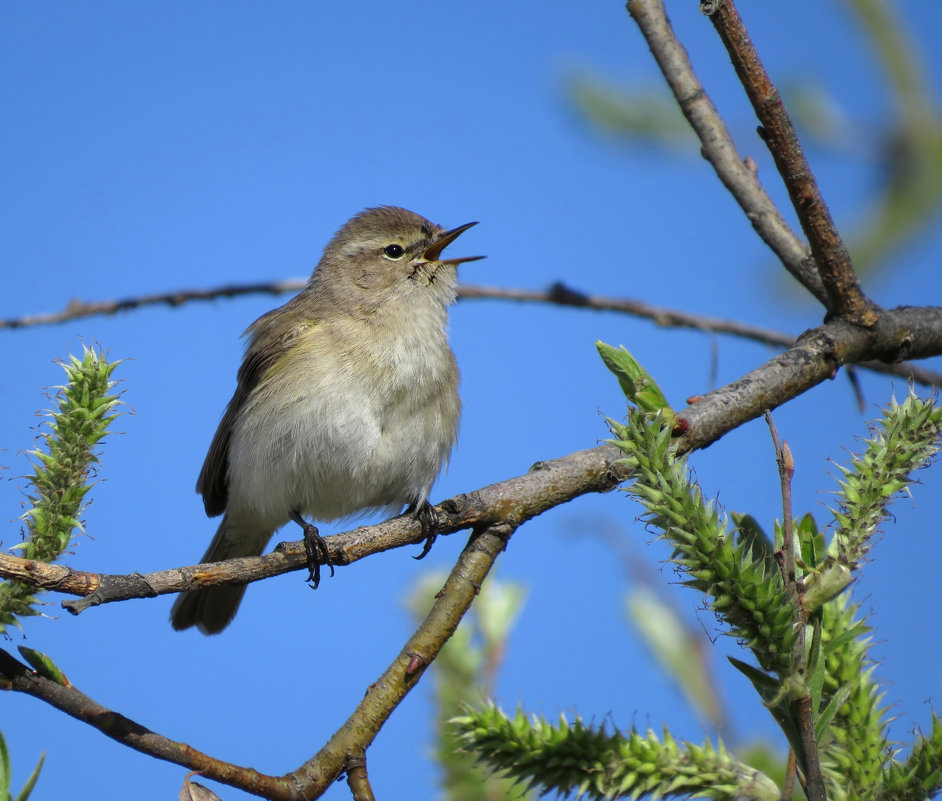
(394, 251)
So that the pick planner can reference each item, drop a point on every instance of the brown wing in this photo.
(270, 336)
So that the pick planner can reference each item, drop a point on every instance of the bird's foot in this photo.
(425, 514)
(316, 549)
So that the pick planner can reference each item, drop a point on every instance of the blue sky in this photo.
(152, 147)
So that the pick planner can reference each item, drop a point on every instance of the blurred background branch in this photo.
(904, 150)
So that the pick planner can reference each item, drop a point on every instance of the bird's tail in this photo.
(211, 609)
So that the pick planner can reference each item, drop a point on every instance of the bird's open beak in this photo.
(434, 251)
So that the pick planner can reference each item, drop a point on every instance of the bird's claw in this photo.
(428, 520)
(315, 548)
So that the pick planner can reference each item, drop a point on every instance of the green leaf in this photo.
(846, 637)
(23, 794)
(811, 541)
(637, 384)
(837, 701)
(816, 682)
(4, 769)
(766, 685)
(43, 665)
(678, 651)
(752, 536)
(6, 775)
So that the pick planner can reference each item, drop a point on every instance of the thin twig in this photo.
(845, 297)
(79, 308)
(558, 294)
(788, 787)
(786, 470)
(802, 705)
(813, 784)
(718, 148)
(562, 295)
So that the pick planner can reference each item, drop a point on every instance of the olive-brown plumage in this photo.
(346, 400)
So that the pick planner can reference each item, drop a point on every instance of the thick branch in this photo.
(516, 500)
(384, 695)
(494, 511)
(317, 774)
(906, 332)
(845, 297)
(817, 355)
(718, 148)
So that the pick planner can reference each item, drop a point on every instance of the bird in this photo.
(346, 400)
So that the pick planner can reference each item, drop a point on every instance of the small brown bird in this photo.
(346, 402)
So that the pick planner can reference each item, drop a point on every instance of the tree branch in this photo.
(384, 695)
(559, 294)
(718, 148)
(318, 773)
(899, 333)
(816, 356)
(494, 511)
(845, 297)
(357, 779)
(78, 308)
(14, 675)
(516, 500)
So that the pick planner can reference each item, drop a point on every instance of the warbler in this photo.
(346, 399)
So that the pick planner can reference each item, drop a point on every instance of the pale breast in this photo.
(337, 430)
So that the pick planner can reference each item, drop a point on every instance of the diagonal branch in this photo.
(496, 511)
(14, 675)
(544, 486)
(383, 696)
(312, 778)
(718, 148)
(845, 297)
(815, 357)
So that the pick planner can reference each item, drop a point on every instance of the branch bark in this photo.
(905, 332)
(312, 778)
(815, 357)
(844, 295)
(718, 148)
(494, 511)
(558, 294)
(67, 698)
